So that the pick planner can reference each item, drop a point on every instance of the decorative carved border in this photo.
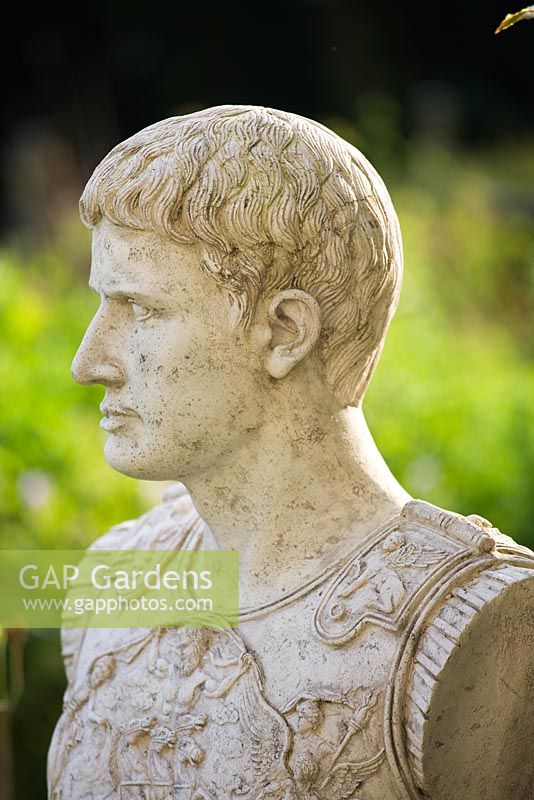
(425, 650)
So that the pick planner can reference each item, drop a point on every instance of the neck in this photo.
(296, 497)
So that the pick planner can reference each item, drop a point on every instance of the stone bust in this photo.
(248, 263)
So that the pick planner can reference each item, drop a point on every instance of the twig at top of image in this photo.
(511, 19)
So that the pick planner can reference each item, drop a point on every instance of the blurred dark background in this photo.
(444, 109)
(78, 79)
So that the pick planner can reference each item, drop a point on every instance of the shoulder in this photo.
(397, 571)
(173, 524)
(475, 531)
(465, 720)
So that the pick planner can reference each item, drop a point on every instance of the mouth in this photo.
(115, 417)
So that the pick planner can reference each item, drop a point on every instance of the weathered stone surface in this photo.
(248, 263)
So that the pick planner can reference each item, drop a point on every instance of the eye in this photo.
(141, 313)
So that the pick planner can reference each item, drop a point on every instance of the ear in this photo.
(295, 322)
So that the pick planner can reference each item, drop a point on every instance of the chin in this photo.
(131, 461)
(144, 463)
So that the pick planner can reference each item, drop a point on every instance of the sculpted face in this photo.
(192, 646)
(181, 378)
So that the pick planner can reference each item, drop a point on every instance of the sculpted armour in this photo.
(394, 667)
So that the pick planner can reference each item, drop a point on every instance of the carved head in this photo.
(191, 644)
(102, 669)
(276, 201)
(393, 542)
(310, 715)
(275, 211)
(161, 738)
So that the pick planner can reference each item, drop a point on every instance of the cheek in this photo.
(186, 382)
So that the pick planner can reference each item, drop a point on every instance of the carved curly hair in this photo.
(277, 201)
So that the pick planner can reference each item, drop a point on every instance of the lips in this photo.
(115, 417)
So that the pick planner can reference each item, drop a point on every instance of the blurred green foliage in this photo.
(451, 405)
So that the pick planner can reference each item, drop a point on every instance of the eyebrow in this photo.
(133, 294)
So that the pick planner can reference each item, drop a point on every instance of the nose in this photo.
(97, 360)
